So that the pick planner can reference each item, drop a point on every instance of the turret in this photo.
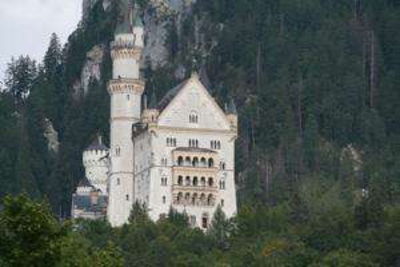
(231, 114)
(95, 161)
(150, 113)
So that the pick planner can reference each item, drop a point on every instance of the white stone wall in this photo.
(156, 190)
(96, 168)
(125, 111)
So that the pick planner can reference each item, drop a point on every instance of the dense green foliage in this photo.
(318, 159)
(259, 235)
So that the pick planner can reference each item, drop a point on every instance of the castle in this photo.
(178, 152)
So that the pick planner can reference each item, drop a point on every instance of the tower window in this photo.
(164, 181)
(118, 181)
(164, 199)
(118, 151)
(127, 197)
(128, 97)
(222, 202)
(222, 184)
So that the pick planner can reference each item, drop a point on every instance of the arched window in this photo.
(210, 162)
(195, 181)
(203, 162)
(118, 151)
(118, 181)
(202, 199)
(187, 161)
(164, 199)
(195, 162)
(187, 181)
(180, 161)
(197, 143)
(203, 181)
(128, 97)
(193, 117)
(179, 198)
(180, 180)
(127, 197)
(210, 182)
(187, 198)
(210, 200)
(222, 202)
(194, 199)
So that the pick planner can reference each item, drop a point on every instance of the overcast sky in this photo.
(26, 26)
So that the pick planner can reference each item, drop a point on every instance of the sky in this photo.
(26, 26)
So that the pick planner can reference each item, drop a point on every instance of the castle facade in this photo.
(176, 153)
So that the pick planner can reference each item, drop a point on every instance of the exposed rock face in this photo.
(157, 19)
(92, 67)
(87, 5)
(51, 136)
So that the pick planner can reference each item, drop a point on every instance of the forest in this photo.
(316, 83)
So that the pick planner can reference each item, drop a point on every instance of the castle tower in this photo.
(125, 91)
(95, 162)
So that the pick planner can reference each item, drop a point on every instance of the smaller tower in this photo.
(150, 112)
(95, 161)
(231, 113)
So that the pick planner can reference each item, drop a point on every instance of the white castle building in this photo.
(176, 153)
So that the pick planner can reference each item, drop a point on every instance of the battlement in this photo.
(126, 86)
(95, 158)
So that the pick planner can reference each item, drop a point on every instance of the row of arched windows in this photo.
(195, 162)
(195, 199)
(195, 181)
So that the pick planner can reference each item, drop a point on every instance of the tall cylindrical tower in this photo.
(125, 91)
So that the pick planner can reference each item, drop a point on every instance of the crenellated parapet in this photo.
(95, 158)
(135, 86)
(134, 52)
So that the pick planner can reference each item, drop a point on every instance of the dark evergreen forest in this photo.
(317, 85)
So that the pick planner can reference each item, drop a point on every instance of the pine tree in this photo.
(220, 229)
(20, 77)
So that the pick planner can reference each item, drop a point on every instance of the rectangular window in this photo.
(204, 222)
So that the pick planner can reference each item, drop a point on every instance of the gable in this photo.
(193, 101)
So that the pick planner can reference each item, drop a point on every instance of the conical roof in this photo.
(231, 107)
(205, 80)
(84, 182)
(97, 144)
